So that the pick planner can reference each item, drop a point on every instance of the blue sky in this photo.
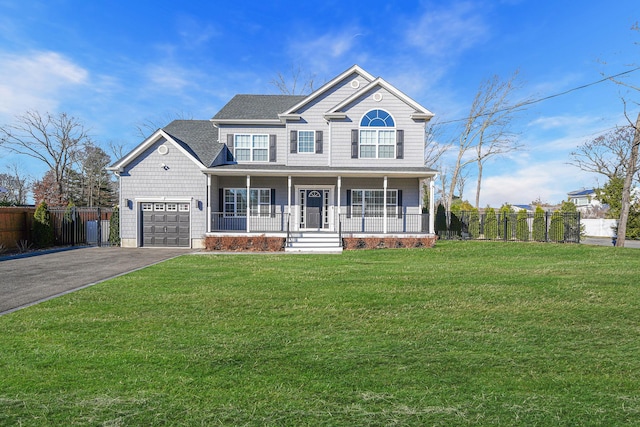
(117, 64)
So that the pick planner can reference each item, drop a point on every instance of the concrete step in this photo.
(314, 242)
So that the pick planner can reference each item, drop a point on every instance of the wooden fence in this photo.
(15, 225)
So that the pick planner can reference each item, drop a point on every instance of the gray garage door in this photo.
(165, 224)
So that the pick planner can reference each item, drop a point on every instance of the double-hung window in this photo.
(235, 202)
(377, 135)
(252, 148)
(306, 141)
(370, 203)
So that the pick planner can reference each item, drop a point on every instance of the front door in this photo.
(315, 205)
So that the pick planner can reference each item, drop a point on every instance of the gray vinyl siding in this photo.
(144, 178)
(313, 119)
(401, 112)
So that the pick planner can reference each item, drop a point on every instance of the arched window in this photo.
(377, 135)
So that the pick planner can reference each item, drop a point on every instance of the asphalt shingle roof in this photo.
(257, 107)
(199, 137)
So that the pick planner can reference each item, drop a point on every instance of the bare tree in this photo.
(149, 125)
(16, 186)
(54, 140)
(614, 155)
(295, 84)
(433, 148)
(486, 131)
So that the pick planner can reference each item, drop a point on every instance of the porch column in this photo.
(248, 200)
(339, 192)
(208, 203)
(289, 195)
(432, 204)
(384, 205)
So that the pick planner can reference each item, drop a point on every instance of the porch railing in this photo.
(344, 223)
(270, 222)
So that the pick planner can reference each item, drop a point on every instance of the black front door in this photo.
(314, 209)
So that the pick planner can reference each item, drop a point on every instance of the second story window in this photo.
(377, 135)
(252, 148)
(306, 141)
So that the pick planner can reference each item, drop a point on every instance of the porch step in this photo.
(314, 242)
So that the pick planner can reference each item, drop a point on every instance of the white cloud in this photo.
(550, 181)
(36, 80)
(448, 31)
(321, 53)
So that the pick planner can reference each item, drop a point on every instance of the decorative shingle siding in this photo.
(145, 178)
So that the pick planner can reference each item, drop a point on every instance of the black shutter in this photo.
(273, 203)
(318, 142)
(354, 143)
(399, 202)
(272, 148)
(220, 200)
(348, 203)
(230, 147)
(294, 141)
(399, 144)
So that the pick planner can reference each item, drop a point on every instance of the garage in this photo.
(165, 224)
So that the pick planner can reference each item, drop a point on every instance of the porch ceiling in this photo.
(237, 169)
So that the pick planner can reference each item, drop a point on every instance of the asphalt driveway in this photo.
(33, 279)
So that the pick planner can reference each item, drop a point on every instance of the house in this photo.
(585, 199)
(346, 160)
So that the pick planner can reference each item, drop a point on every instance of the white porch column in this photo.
(208, 203)
(384, 205)
(432, 204)
(289, 195)
(339, 193)
(248, 201)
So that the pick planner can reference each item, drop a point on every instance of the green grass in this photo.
(466, 333)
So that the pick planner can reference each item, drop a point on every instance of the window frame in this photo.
(258, 204)
(377, 135)
(360, 201)
(252, 147)
(312, 147)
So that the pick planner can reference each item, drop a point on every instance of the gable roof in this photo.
(256, 108)
(197, 139)
(330, 84)
(420, 113)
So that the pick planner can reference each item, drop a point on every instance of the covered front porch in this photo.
(244, 199)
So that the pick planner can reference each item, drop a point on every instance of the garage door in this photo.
(165, 224)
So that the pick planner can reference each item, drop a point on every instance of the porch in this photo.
(345, 224)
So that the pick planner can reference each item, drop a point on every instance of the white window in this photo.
(377, 135)
(172, 207)
(251, 148)
(306, 141)
(147, 207)
(235, 202)
(370, 203)
(183, 207)
(158, 207)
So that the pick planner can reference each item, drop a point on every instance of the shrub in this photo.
(474, 224)
(522, 226)
(114, 227)
(556, 227)
(42, 227)
(539, 225)
(490, 224)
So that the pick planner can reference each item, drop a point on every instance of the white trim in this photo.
(142, 147)
(346, 172)
(421, 112)
(324, 88)
(330, 206)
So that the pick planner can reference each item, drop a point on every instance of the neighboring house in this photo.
(528, 208)
(584, 199)
(347, 159)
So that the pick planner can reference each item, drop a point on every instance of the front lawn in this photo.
(466, 333)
